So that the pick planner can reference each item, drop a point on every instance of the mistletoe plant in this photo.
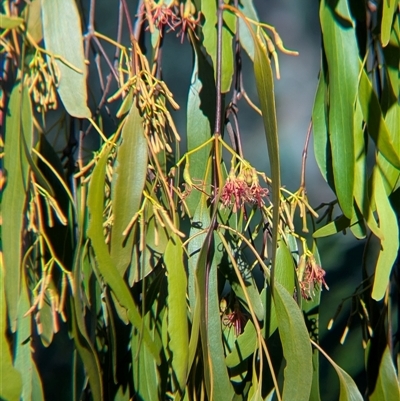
(178, 270)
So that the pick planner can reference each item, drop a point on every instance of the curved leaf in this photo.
(375, 122)
(297, 351)
(177, 310)
(10, 378)
(390, 242)
(387, 388)
(209, 10)
(18, 124)
(62, 34)
(341, 51)
(265, 90)
(106, 265)
(128, 183)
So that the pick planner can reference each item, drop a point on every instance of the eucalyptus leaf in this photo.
(127, 186)
(14, 195)
(390, 242)
(341, 50)
(106, 265)
(177, 311)
(297, 351)
(62, 32)
(387, 388)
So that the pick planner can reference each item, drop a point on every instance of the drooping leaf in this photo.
(200, 123)
(245, 37)
(18, 123)
(297, 351)
(284, 268)
(62, 34)
(348, 389)
(106, 265)
(341, 52)
(34, 20)
(387, 387)
(177, 311)
(388, 13)
(145, 375)
(209, 10)
(265, 90)
(390, 242)
(375, 122)
(335, 226)
(320, 128)
(10, 378)
(127, 186)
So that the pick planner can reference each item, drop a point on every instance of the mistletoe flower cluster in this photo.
(243, 188)
(172, 16)
(313, 277)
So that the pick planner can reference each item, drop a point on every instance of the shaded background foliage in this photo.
(293, 118)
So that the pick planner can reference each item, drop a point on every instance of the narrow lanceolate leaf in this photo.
(348, 389)
(375, 122)
(388, 12)
(245, 36)
(177, 311)
(265, 89)
(200, 122)
(341, 51)
(296, 346)
(8, 22)
(23, 356)
(390, 243)
(387, 387)
(10, 378)
(320, 129)
(106, 266)
(128, 184)
(63, 38)
(209, 10)
(18, 123)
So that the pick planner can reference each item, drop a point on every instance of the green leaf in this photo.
(375, 122)
(8, 22)
(265, 90)
(390, 243)
(82, 342)
(341, 51)
(320, 128)
(209, 10)
(10, 378)
(200, 122)
(245, 36)
(14, 196)
(34, 20)
(244, 346)
(387, 388)
(128, 183)
(220, 385)
(177, 311)
(348, 389)
(297, 351)
(388, 13)
(106, 265)
(198, 253)
(145, 374)
(284, 268)
(335, 226)
(62, 34)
